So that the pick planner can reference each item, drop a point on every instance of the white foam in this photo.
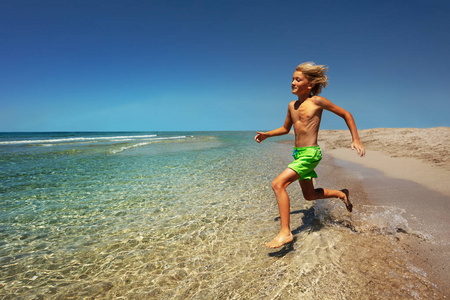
(385, 220)
(381, 219)
(147, 143)
(78, 139)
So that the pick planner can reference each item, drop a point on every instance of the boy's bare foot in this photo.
(346, 200)
(280, 240)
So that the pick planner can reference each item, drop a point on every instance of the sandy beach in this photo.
(406, 168)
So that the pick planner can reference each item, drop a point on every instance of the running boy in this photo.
(305, 115)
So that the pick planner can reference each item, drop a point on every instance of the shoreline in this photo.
(419, 155)
(188, 219)
(408, 169)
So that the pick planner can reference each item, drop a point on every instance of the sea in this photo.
(184, 215)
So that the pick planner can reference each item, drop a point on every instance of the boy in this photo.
(305, 115)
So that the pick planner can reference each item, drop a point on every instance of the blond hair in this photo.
(315, 74)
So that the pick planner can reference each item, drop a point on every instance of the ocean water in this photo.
(184, 215)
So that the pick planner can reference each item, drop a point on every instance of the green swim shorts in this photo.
(306, 159)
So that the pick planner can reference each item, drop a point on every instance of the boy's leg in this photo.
(309, 193)
(279, 186)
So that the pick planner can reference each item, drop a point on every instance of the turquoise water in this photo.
(174, 215)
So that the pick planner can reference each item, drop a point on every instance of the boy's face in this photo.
(300, 84)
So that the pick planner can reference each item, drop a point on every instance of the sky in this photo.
(144, 65)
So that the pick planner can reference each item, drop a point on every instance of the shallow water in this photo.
(184, 215)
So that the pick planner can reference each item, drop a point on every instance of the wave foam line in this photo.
(80, 139)
(147, 143)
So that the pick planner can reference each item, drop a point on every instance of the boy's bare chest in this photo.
(304, 112)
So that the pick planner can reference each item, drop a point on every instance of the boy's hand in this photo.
(260, 137)
(359, 148)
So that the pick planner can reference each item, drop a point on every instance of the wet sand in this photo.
(407, 169)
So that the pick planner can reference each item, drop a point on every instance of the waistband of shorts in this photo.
(308, 147)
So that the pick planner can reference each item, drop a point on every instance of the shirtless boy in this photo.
(305, 115)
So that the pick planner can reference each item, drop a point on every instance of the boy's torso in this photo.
(305, 117)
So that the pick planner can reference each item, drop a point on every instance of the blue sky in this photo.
(78, 65)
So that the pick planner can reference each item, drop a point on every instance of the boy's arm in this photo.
(328, 105)
(261, 136)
